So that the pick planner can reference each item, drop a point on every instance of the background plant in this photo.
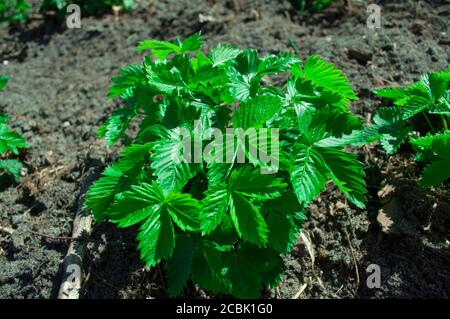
(420, 115)
(312, 5)
(10, 143)
(14, 11)
(223, 225)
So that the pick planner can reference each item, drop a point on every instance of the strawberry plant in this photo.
(420, 115)
(87, 7)
(223, 223)
(10, 142)
(14, 11)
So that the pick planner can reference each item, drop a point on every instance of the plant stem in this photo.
(429, 122)
(444, 122)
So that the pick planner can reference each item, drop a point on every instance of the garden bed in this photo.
(57, 94)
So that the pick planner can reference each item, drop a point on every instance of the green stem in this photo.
(429, 122)
(444, 122)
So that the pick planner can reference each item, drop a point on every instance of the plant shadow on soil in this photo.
(57, 94)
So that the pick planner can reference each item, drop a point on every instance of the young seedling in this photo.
(424, 102)
(222, 219)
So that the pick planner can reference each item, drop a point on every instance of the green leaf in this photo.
(273, 269)
(217, 172)
(437, 150)
(135, 205)
(244, 276)
(438, 85)
(222, 54)
(347, 173)
(307, 174)
(250, 268)
(283, 231)
(146, 203)
(391, 93)
(192, 43)
(130, 77)
(442, 106)
(184, 211)
(115, 179)
(12, 168)
(4, 118)
(247, 62)
(326, 75)
(215, 206)
(114, 127)
(254, 113)
(170, 167)
(248, 220)
(246, 184)
(102, 192)
(250, 182)
(357, 138)
(243, 86)
(208, 267)
(391, 128)
(435, 173)
(156, 238)
(161, 49)
(133, 155)
(179, 266)
(10, 140)
(273, 64)
(3, 81)
(429, 94)
(162, 77)
(339, 122)
(128, 4)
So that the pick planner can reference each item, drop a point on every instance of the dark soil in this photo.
(57, 96)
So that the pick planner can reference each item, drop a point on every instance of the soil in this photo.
(57, 97)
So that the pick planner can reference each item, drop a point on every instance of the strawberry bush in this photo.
(10, 143)
(224, 224)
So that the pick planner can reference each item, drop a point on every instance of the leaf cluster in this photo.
(425, 101)
(224, 225)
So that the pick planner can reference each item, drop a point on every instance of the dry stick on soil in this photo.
(6, 230)
(73, 262)
(354, 261)
(301, 290)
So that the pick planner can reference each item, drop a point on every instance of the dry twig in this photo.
(354, 261)
(73, 262)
